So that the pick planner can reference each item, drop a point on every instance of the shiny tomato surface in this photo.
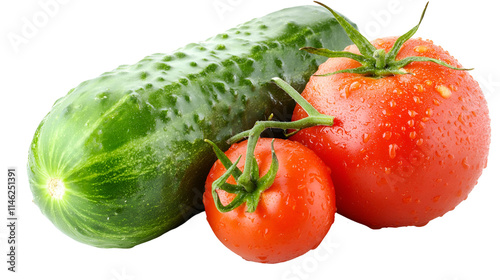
(294, 213)
(403, 149)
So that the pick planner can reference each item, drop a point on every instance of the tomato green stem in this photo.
(314, 118)
(249, 185)
(375, 62)
(379, 56)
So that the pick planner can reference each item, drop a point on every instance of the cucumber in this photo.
(121, 159)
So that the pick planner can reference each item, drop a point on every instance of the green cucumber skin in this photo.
(128, 145)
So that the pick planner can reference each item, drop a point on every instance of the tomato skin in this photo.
(403, 149)
(293, 215)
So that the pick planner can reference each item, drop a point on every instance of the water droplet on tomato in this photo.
(421, 49)
(444, 91)
(392, 150)
(387, 135)
(366, 158)
(461, 119)
(436, 198)
(412, 135)
(412, 113)
(428, 112)
(465, 163)
(366, 137)
(262, 258)
(420, 141)
(411, 123)
(355, 85)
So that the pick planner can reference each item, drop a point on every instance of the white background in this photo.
(82, 39)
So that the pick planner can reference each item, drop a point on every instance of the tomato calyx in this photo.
(242, 195)
(375, 62)
(249, 186)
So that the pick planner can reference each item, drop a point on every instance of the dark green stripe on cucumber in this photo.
(121, 160)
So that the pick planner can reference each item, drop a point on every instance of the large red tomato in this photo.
(293, 215)
(404, 149)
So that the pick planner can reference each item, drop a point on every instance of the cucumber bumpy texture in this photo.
(121, 159)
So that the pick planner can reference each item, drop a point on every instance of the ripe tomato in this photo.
(294, 213)
(404, 149)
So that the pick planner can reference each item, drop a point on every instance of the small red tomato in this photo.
(293, 215)
(405, 148)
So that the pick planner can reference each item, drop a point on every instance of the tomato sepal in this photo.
(375, 62)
